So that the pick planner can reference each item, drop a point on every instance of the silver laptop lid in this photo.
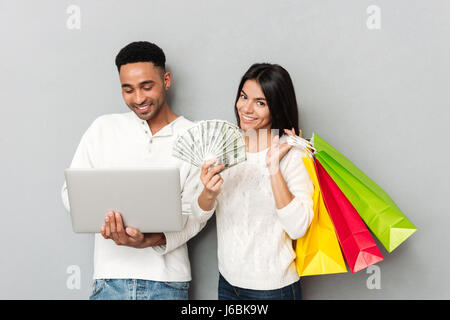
(149, 199)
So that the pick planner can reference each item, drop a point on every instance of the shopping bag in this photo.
(318, 251)
(372, 203)
(358, 246)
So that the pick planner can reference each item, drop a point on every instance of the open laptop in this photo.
(148, 199)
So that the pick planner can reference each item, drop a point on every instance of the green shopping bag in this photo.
(373, 204)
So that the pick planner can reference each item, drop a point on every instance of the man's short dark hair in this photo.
(141, 51)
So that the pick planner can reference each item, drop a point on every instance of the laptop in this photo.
(148, 199)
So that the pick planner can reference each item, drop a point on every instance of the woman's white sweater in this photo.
(254, 238)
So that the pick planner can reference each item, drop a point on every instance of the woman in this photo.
(265, 202)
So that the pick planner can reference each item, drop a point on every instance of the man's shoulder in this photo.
(112, 120)
(181, 123)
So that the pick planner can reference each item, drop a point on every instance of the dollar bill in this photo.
(211, 139)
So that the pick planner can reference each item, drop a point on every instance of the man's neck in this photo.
(162, 119)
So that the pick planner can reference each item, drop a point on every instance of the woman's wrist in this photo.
(281, 192)
(206, 200)
(274, 170)
(208, 196)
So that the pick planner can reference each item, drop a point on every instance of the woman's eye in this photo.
(260, 103)
(243, 96)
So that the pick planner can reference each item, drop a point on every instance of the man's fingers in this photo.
(107, 227)
(112, 222)
(134, 234)
(131, 232)
(103, 231)
(121, 234)
(119, 223)
(113, 225)
(114, 229)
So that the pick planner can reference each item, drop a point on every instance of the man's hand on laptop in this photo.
(115, 230)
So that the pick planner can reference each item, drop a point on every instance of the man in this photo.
(127, 263)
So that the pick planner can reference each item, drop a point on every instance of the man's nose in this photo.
(139, 97)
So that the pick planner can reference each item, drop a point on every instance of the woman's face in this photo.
(252, 107)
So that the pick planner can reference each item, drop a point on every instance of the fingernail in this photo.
(117, 215)
(106, 219)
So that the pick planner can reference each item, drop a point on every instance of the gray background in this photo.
(379, 96)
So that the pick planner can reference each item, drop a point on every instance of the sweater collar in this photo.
(165, 131)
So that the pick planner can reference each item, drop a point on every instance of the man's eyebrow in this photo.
(143, 83)
(256, 98)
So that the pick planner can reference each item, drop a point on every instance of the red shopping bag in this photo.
(357, 244)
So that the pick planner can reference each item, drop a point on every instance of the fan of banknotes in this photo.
(211, 139)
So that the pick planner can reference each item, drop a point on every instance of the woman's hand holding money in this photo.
(212, 181)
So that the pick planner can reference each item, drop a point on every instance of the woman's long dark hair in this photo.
(277, 86)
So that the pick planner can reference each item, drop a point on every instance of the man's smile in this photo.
(145, 108)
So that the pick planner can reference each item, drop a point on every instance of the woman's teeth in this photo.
(248, 118)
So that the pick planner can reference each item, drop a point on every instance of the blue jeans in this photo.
(134, 289)
(230, 292)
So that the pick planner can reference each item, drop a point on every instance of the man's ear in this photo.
(167, 78)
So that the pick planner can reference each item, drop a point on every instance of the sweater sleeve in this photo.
(297, 215)
(198, 213)
(83, 158)
(193, 225)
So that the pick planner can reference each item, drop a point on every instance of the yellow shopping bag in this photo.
(318, 251)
